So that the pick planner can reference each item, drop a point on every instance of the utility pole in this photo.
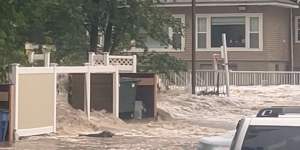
(193, 48)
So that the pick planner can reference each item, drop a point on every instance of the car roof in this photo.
(281, 121)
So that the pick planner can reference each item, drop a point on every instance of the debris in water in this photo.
(104, 134)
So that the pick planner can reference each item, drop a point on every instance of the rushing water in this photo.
(117, 142)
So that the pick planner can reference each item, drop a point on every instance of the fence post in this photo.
(116, 85)
(15, 102)
(294, 76)
(106, 58)
(87, 92)
(31, 57)
(54, 65)
(47, 59)
(91, 58)
(134, 63)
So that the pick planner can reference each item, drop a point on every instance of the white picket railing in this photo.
(124, 63)
(209, 79)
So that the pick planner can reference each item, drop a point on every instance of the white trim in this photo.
(232, 4)
(30, 70)
(140, 50)
(297, 29)
(76, 69)
(34, 131)
(247, 31)
(68, 69)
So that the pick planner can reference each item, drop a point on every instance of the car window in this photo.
(272, 138)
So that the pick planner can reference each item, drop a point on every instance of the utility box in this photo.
(127, 97)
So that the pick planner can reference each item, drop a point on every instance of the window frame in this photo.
(170, 32)
(297, 40)
(247, 31)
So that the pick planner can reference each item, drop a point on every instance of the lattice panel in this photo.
(98, 60)
(121, 61)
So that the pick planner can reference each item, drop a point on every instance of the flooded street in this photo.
(117, 142)
(183, 119)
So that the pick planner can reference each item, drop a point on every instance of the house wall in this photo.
(276, 37)
(36, 101)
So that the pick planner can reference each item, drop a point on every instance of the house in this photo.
(261, 34)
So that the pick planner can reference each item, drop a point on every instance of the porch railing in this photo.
(124, 63)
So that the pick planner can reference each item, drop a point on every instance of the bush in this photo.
(159, 63)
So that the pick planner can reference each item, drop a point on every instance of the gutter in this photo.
(231, 4)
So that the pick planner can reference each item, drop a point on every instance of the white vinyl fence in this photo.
(209, 80)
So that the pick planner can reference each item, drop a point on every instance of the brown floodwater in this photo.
(116, 142)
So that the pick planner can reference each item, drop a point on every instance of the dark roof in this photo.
(283, 3)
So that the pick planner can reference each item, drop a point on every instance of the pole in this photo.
(226, 63)
(193, 49)
(292, 39)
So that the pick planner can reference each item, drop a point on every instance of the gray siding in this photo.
(276, 38)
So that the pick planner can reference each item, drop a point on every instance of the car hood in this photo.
(222, 140)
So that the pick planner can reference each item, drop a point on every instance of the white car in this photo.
(275, 128)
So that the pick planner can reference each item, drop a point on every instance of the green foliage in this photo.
(122, 21)
(12, 22)
(160, 63)
(70, 25)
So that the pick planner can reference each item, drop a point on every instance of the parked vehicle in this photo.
(275, 128)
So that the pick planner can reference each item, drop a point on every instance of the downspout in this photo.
(292, 39)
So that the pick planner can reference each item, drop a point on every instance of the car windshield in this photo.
(272, 138)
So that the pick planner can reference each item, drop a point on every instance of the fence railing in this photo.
(124, 63)
(207, 80)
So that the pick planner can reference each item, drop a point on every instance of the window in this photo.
(234, 27)
(254, 32)
(297, 29)
(272, 137)
(174, 34)
(243, 31)
(202, 32)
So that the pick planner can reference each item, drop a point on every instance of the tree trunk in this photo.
(108, 38)
(94, 34)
